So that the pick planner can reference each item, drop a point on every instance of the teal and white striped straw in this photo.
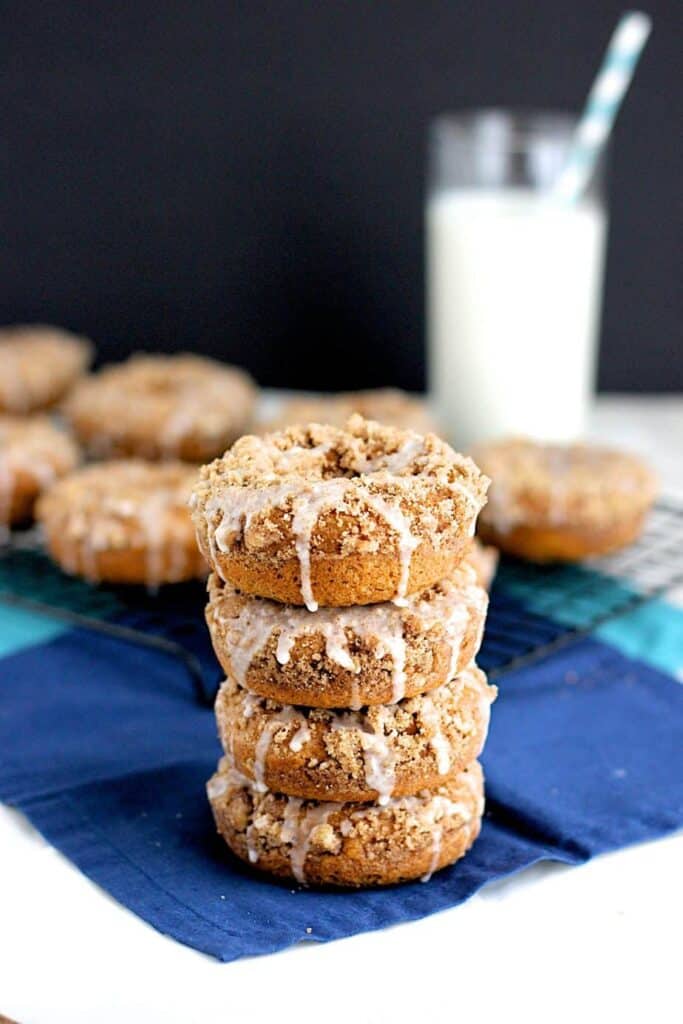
(602, 105)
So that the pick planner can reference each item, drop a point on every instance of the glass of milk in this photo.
(514, 278)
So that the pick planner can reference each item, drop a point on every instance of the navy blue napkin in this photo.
(106, 750)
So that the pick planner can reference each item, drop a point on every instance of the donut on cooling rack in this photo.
(347, 844)
(563, 503)
(123, 522)
(33, 454)
(162, 407)
(319, 515)
(389, 406)
(38, 365)
(484, 560)
(374, 754)
(347, 657)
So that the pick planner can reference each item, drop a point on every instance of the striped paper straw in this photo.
(602, 105)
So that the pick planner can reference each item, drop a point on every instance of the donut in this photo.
(483, 558)
(33, 454)
(38, 365)
(563, 503)
(346, 844)
(347, 657)
(123, 522)
(371, 755)
(322, 516)
(162, 407)
(389, 406)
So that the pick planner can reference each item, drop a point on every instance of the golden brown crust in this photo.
(389, 406)
(38, 365)
(373, 754)
(123, 522)
(348, 845)
(321, 516)
(162, 407)
(33, 454)
(341, 657)
(564, 543)
(563, 502)
(484, 560)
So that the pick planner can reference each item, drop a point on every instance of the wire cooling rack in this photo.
(534, 610)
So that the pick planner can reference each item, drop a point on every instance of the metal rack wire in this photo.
(535, 610)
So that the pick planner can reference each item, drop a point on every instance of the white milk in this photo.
(514, 284)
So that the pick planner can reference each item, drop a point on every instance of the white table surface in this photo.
(598, 942)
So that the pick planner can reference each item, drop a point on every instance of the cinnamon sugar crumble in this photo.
(434, 488)
(579, 484)
(110, 503)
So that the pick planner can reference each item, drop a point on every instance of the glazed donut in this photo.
(162, 407)
(483, 558)
(375, 754)
(123, 522)
(347, 657)
(33, 454)
(563, 503)
(38, 365)
(321, 516)
(389, 406)
(348, 845)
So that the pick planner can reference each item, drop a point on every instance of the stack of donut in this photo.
(347, 617)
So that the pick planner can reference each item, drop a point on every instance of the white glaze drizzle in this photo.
(437, 835)
(300, 738)
(307, 509)
(287, 716)
(299, 830)
(407, 542)
(433, 814)
(437, 741)
(151, 516)
(248, 630)
(378, 757)
(237, 506)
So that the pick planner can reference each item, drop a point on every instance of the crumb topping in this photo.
(364, 832)
(277, 496)
(37, 363)
(367, 747)
(384, 631)
(172, 396)
(115, 504)
(539, 484)
(36, 446)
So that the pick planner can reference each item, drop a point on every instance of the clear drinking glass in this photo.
(514, 278)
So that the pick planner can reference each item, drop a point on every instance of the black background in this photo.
(246, 179)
